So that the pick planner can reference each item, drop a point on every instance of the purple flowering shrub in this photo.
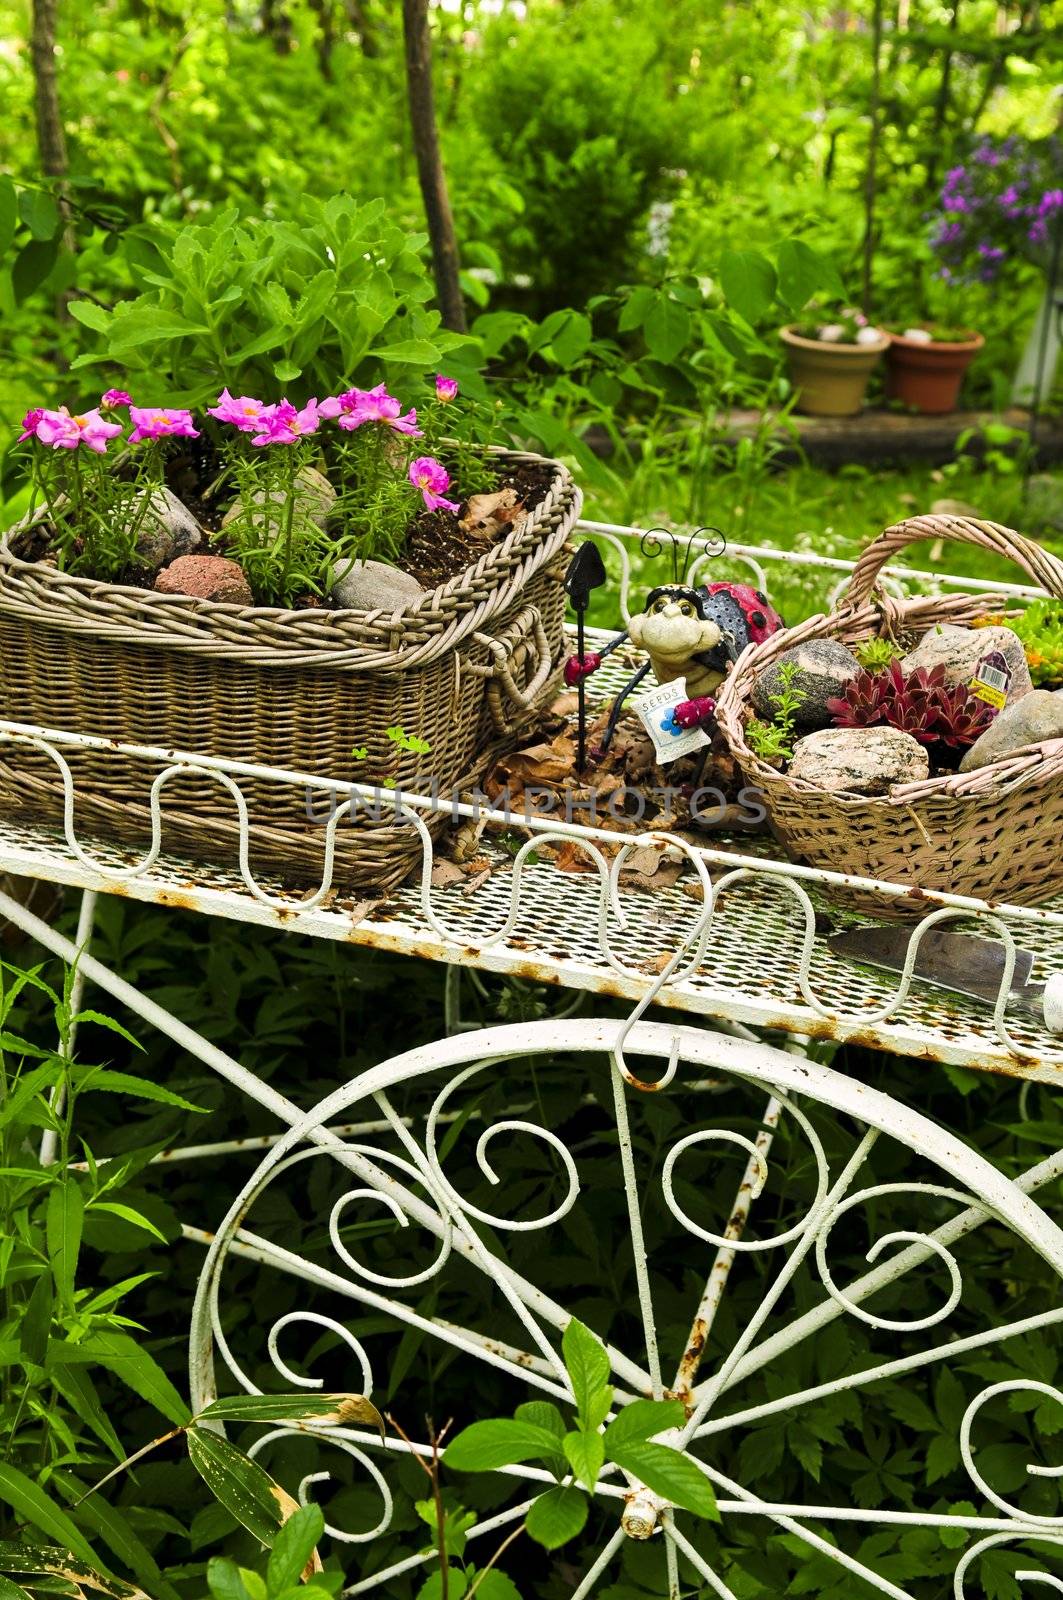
(1005, 201)
(287, 525)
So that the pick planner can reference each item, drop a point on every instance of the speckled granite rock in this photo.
(868, 761)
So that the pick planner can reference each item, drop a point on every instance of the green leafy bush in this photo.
(273, 306)
(575, 107)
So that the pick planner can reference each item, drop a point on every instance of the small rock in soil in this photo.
(314, 496)
(867, 761)
(168, 529)
(207, 578)
(374, 586)
(959, 651)
(824, 667)
(1033, 719)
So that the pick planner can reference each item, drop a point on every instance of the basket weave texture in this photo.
(994, 833)
(464, 667)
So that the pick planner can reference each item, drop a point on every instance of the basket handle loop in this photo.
(508, 700)
(1039, 564)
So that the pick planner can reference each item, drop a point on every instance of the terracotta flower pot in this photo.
(926, 374)
(831, 379)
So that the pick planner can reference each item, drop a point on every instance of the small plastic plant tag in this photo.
(992, 680)
(657, 710)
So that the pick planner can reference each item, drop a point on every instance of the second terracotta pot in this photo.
(926, 374)
(831, 379)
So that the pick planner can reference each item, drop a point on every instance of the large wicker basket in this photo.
(464, 668)
(994, 833)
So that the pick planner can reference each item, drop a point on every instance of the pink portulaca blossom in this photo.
(446, 388)
(30, 423)
(160, 423)
(242, 412)
(433, 480)
(359, 406)
(284, 424)
(114, 398)
(61, 431)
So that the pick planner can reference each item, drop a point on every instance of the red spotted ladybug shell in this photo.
(761, 619)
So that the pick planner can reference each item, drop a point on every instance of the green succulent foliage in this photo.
(300, 306)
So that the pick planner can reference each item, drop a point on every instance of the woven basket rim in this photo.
(1032, 765)
(423, 627)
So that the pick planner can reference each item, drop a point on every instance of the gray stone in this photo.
(824, 667)
(1044, 502)
(374, 586)
(1033, 719)
(959, 651)
(314, 497)
(859, 760)
(168, 529)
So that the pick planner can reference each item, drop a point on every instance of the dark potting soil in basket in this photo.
(437, 548)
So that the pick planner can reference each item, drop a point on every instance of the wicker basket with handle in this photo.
(994, 833)
(463, 668)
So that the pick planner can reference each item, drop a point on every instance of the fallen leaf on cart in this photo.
(565, 705)
(486, 514)
(445, 874)
(663, 877)
(474, 881)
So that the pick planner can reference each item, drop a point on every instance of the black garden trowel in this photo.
(586, 571)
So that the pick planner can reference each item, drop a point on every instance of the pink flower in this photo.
(61, 431)
(358, 406)
(283, 424)
(160, 423)
(30, 423)
(433, 479)
(243, 412)
(115, 398)
(446, 388)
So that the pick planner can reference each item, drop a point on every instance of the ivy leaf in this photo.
(484, 1446)
(557, 1516)
(670, 1474)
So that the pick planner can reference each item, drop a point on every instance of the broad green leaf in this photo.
(224, 1580)
(38, 1560)
(642, 1419)
(568, 334)
(90, 315)
(637, 307)
(484, 1446)
(33, 266)
(239, 1483)
(286, 371)
(113, 1528)
(542, 1414)
(557, 1516)
(803, 272)
(585, 1454)
(339, 1410)
(495, 1585)
(670, 1474)
(147, 326)
(293, 1548)
(457, 1584)
(79, 1392)
(39, 212)
(415, 352)
(9, 1590)
(747, 279)
(8, 213)
(31, 1504)
(66, 1210)
(666, 328)
(588, 1367)
(121, 1354)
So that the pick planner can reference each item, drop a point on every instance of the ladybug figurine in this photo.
(691, 632)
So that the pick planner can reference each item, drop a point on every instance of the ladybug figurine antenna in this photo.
(652, 544)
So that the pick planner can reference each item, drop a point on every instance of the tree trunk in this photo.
(871, 176)
(325, 37)
(430, 164)
(277, 26)
(363, 27)
(51, 140)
